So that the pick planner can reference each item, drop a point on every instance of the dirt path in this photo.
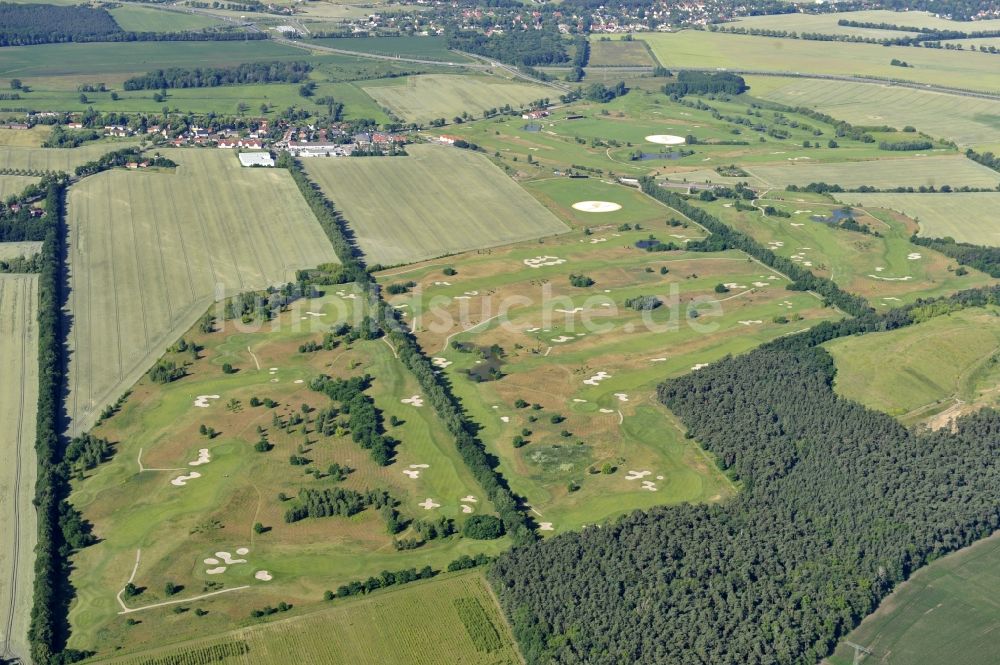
(255, 361)
(444, 347)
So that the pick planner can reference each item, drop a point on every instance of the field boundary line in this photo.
(138, 267)
(444, 347)
(145, 468)
(255, 361)
(182, 600)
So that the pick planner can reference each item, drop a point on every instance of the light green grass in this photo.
(15, 184)
(691, 48)
(10, 250)
(826, 23)
(142, 510)
(968, 121)
(419, 623)
(887, 269)
(56, 159)
(954, 170)
(435, 201)
(18, 397)
(147, 19)
(947, 612)
(924, 366)
(25, 138)
(150, 250)
(964, 216)
(620, 53)
(424, 98)
(560, 193)
(424, 48)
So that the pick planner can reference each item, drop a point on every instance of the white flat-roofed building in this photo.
(256, 159)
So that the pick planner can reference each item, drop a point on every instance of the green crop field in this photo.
(946, 612)
(690, 48)
(424, 623)
(150, 251)
(948, 361)
(15, 184)
(433, 202)
(25, 138)
(964, 216)
(556, 338)
(147, 19)
(620, 54)
(424, 98)
(56, 159)
(18, 400)
(954, 170)
(887, 269)
(141, 509)
(427, 48)
(969, 121)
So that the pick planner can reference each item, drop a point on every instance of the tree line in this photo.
(531, 48)
(986, 259)
(839, 504)
(438, 394)
(210, 77)
(702, 83)
(121, 158)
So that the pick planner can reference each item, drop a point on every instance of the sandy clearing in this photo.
(666, 139)
(596, 206)
(182, 480)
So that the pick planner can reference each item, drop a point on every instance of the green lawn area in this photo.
(134, 18)
(924, 368)
(933, 170)
(427, 48)
(435, 201)
(177, 527)
(620, 54)
(947, 612)
(560, 193)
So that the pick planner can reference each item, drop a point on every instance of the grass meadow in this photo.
(149, 251)
(56, 159)
(923, 171)
(423, 48)
(946, 612)
(25, 138)
(15, 184)
(965, 216)
(694, 48)
(18, 401)
(147, 19)
(11, 250)
(888, 270)
(177, 527)
(924, 369)
(826, 23)
(450, 620)
(558, 194)
(969, 121)
(556, 338)
(424, 98)
(620, 54)
(435, 201)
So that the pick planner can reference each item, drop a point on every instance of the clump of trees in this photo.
(703, 83)
(483, 527)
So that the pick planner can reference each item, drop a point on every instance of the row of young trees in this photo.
(838, 504)
(209, 77)
(437, 391)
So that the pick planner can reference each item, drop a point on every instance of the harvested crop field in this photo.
(435, 201)
(150, 250)
(54, 159)
(18, 400)
(620, 54)
(15, 184)
(964, 216)
(954, 170)
(424, 98)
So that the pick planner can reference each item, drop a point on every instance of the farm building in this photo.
(256, 159)
(320, 149)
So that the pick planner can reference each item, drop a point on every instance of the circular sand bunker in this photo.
(596, 206)
(666, 139)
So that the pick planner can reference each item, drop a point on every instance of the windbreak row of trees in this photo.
(210, 77)
(838, 505)
(724, 237)
(530, 48)
(435, 387)
(121, 158)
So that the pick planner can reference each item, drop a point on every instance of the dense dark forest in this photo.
(531, 48)
(210, 77)
(703, 83)
(838, 505)
(24, 24)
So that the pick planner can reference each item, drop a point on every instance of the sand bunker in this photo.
(892, 279)
(216, 571)
(505, 419)
(607, 410)
(597, 378)
(596, 206)
(315, 313)
(298, 381)
(649, 485)
(211, 562)
(622, 397)
(734, 285)
(545, 526)
(263, 576)
(657, 360)
(539, 261)
(913, 256)
(428, 504)
(570, 311)
(228, 559)
(666, 139)
(636, 475)
(442, 283)
(467, 509)
(578, 400)
(440, 362)
(202, 400)
(416, 400)
(242, 551)
(695, 368)
(181, 481)
(594, 241)
(561, 339)
(751, 322)
(414, 470)
(760, 285)
(470, 499)
(203, 458)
